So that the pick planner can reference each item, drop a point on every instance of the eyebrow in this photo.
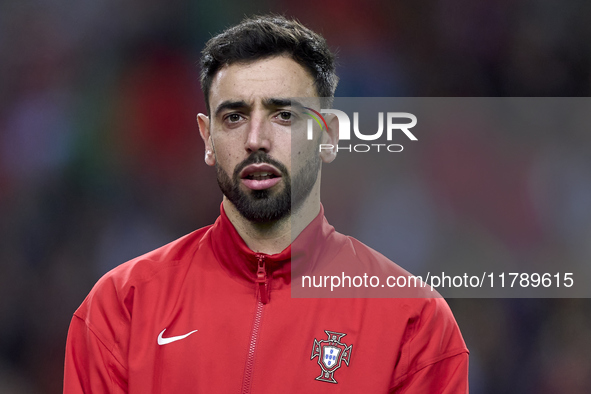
(270, 102)
(229, 104)
(282, 102)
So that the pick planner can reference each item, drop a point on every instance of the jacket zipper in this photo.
(262, 278)
(262, 299)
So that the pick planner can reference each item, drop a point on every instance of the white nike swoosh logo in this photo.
(164, 341)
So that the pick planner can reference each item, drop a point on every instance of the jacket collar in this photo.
(317, 242)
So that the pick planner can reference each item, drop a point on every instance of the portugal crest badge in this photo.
(331, 353)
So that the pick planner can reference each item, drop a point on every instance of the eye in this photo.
(284, 115)
(233, 118)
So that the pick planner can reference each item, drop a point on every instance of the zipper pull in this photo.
(262, 278)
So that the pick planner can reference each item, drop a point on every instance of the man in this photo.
(212, 312)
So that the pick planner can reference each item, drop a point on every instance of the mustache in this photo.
(260, 157)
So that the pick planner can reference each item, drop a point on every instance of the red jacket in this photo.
(205, 314)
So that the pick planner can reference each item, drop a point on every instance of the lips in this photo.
(260, 176)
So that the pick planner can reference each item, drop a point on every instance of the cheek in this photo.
(303, 148)
(226, 156)
(303, 154)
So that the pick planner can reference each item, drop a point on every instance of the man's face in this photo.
(249, 137)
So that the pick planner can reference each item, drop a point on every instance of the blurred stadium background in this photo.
(100, 158)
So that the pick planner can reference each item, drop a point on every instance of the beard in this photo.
(264, 206)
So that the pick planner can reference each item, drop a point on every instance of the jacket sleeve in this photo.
(448, 376)
(90, 366)
(96, 348)
(434, 359)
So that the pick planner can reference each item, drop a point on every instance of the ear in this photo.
(330, 137)
(203, 122)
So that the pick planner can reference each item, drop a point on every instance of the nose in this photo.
(259, 135)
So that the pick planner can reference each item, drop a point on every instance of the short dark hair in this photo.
(266, 36)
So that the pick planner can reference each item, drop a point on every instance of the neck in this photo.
(274, 237)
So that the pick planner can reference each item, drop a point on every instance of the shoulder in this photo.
(136, 288)
(147, 266)
(114, 290)
(373, 258)
(389, 280)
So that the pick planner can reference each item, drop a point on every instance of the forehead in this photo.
(276, 77)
